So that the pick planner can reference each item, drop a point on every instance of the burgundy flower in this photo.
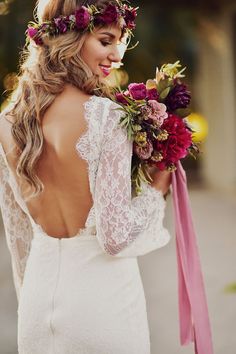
(61, 24)
(152, 94)
(143, 152)
(120, 97)
(175, 147)
(33, 33)
(109, 15)
(82, 18)
(179, 97)
(138, 91)
(130, 15)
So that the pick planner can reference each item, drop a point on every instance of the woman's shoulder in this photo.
(70, 97)
(73, 98)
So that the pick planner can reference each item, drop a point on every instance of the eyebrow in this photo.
(109, 34)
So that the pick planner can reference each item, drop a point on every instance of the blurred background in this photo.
(202, 35)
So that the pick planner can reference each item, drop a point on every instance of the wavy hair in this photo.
(44, 70)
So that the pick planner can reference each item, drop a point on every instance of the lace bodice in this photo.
(125, 226)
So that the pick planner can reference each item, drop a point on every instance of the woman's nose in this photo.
(115, 55)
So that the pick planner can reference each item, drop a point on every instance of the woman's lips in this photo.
(105, 69)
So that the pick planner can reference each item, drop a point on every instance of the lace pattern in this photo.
(124, 226)
(88, 145)
(155, 236)
(119, 218)
(17, 227)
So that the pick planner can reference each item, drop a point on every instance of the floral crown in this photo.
(85, 18)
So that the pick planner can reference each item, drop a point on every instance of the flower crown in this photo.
(85, 18)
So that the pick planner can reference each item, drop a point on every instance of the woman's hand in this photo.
(161, 179)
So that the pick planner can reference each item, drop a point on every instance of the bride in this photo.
(72, 227)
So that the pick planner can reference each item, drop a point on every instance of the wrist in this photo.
(166, 194)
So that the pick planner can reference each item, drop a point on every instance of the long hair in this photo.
(44, 70)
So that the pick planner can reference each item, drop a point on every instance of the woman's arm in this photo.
(121, 219)
(17, 226)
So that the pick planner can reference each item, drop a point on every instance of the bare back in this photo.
(63, 206)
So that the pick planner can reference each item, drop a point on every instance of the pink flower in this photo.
(176, 146)
(137, 91)
(157, 112)
(32, 32)
(143, 152)
(152, 94)
(120, 97)
(82, 18)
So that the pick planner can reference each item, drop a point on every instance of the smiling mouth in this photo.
(105, 69)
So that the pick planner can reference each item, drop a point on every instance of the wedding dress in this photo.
(84, 295)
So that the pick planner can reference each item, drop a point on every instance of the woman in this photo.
(72, 227)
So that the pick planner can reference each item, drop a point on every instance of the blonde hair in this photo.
(43, 73)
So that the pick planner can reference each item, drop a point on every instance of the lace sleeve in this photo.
(153, 237)
(121, 220)
(17, 228)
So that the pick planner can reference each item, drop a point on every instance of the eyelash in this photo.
(104, 43)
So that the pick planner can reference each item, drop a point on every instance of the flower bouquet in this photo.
(155, 119)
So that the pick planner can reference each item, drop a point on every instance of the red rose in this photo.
(138, 91)
(176, 146)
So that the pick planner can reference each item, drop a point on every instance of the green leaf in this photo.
(134, 110)
(183, 112)
(120, 109)
(162, 85)
(130, 133)
(123, 122)
(165, 93)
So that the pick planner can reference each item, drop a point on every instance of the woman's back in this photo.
(63, 206)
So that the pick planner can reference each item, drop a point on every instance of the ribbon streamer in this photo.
(193, 311)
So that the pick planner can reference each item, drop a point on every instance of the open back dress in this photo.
(84, 294)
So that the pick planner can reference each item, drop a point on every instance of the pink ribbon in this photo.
(193, 311)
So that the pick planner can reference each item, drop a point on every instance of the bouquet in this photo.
(155, 119)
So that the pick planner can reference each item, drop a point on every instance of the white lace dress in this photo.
(84, 295)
